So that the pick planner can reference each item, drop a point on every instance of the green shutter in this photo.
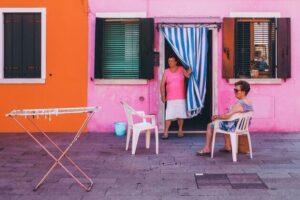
(243, 49)
(146, 48)
(121, 50)
(98, 48)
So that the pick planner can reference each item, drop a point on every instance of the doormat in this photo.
(234, 181)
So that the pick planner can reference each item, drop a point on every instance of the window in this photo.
(256, 48)
(124, 49)
(22, 45)
(22, 33)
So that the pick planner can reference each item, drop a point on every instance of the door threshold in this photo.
(194, 132)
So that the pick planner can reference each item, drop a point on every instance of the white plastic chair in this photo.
(134, 129)
(241, 129)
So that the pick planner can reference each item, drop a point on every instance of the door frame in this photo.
(161, 112)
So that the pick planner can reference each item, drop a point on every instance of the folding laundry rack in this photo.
(30, 114)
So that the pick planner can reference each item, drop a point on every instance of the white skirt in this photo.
(176, 109)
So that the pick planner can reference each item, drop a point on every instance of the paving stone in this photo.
(178, 197)
(274, 175)
(129, 197)
(282, 183)
(9, 196)
(208, 191)
(243, 178)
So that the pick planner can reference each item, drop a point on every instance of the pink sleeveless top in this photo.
(175, 84)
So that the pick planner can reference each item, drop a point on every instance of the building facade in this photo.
(43, 60)
(268, 63)
(98, 53)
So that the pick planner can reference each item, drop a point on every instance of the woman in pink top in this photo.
(173, 78)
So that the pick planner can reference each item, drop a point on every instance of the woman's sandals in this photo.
(203, 153)
(164, 137)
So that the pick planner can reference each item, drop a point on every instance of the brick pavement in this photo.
(170, 175)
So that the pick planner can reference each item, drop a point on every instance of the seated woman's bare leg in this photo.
(227, 143)
(207, 147)
(209, 133)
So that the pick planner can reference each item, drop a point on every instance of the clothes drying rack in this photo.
(30, 114)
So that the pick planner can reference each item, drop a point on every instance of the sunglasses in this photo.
(236, 90)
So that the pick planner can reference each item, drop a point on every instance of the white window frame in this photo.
(121, 81)
(42, 11)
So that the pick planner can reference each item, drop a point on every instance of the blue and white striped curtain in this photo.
(190, 44)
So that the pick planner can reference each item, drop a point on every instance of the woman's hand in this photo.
(214, 117)
(187, 73)
(163, 99)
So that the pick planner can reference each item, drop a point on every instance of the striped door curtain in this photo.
(190, 43)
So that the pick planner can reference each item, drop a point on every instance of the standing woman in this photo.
(174, 80)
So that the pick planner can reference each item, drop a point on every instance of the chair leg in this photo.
(233, 139)
(213, 144)
(135, 138)
(156, 140)
(237, 144)
(250, 145)
(128, 137)
(148, 137)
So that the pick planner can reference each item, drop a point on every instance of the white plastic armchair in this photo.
(242, 128)
(134, 129)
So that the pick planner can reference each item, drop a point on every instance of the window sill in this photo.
(22, 81)
(259, 81)
(120, 81)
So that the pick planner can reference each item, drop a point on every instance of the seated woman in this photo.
(243, 104)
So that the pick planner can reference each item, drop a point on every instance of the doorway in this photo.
(199, 122)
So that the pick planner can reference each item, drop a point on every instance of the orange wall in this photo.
(66, 60)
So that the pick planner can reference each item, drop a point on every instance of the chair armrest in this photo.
(152, 117)
(236, 116)
(233, 117)
(140, 113)
(224, 120)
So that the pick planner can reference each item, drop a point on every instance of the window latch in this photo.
(226, 51)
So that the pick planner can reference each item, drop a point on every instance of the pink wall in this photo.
(275, 109)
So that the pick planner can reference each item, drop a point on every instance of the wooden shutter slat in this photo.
(146, 48)
(283, 48)
(228, 51)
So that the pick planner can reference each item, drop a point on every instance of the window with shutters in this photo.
(124, 48)
(256, 48)
(22, 57)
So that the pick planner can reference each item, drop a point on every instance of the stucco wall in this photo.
(276, 106)
(66, 67)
